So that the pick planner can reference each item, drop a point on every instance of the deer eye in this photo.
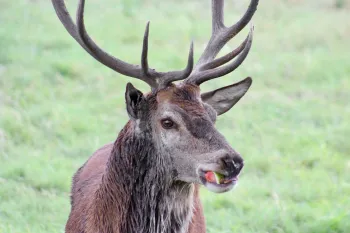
(167, 124)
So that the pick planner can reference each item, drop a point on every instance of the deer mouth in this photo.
(217, 182)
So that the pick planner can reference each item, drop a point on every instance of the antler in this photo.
(155, 79)
(207, 68)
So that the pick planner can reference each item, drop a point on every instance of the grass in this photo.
(57, 106)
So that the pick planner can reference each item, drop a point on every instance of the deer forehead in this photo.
(181, 98)
(176, 94)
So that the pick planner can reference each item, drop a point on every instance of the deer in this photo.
(148, 179)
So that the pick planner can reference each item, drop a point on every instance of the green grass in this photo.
(57, 106)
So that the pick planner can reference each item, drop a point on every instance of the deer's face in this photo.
(183, 127)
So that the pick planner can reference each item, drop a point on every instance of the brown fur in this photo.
(92, 171)
(90, 203)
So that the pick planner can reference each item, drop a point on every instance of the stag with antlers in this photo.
(147, 181)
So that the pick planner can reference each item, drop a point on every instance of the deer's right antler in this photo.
(155, 79)
(207, 68)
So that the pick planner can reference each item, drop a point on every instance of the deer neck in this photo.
(138, 186)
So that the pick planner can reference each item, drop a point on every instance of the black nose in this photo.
(233, 164)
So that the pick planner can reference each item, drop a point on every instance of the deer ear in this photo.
(133, 99)
(225, 98)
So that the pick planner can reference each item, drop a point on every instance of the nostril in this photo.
(233, 164)
(238, 162)
(228, 162)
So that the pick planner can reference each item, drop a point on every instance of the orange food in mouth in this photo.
(214, 177)
(210, 177)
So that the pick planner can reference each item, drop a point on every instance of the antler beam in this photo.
(207, 68)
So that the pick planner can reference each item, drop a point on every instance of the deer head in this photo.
(177, 117)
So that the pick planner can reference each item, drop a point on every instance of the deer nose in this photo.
(233, 164)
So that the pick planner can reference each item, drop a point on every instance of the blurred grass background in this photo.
(58, 105)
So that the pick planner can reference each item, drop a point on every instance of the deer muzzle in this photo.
(221, 175)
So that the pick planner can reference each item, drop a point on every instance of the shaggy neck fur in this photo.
(137, 192)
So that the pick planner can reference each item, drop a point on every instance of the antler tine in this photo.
(207, 68)
(226, 58)
(236, 28)
(67, 22)
(144, 55)
(179, 75)
(78, 31)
